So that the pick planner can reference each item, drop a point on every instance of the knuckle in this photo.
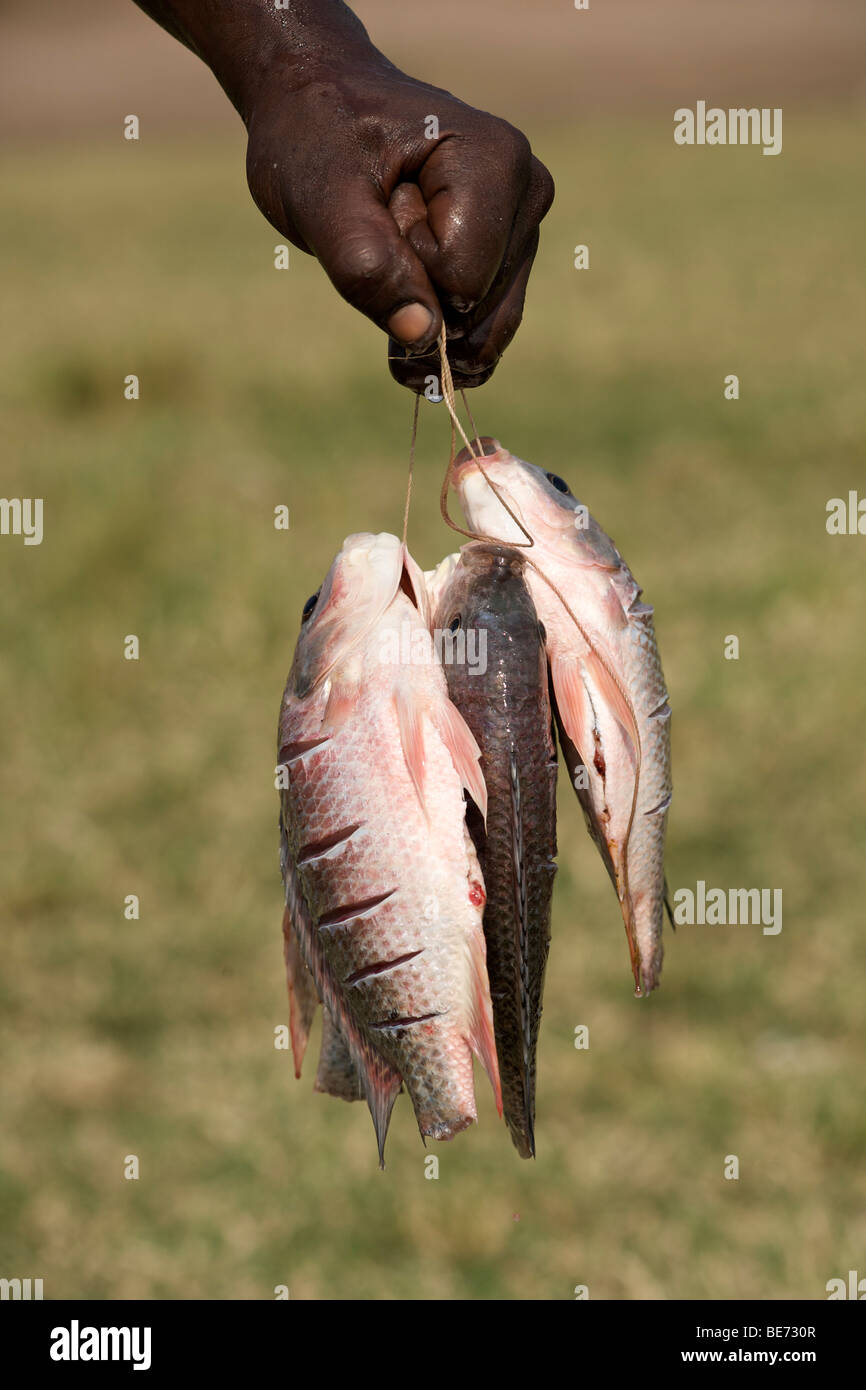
(516, 153)
(359, 264)
(543, 188)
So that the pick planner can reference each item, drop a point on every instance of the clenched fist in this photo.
(418, 206)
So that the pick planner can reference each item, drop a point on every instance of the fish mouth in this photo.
(466, 460)
(488, 503)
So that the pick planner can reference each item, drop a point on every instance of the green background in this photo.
(155, 777)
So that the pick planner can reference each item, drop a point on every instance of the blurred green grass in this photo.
(258, 388)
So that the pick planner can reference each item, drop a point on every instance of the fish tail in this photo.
(523, 1139)
(646, 964)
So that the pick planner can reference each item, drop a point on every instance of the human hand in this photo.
(417, 206)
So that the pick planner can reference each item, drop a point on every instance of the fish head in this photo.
(359, 587)
(484, 588)
(505, 498)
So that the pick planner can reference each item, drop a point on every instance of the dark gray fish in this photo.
(495, 665)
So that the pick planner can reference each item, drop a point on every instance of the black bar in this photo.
(243, 1338)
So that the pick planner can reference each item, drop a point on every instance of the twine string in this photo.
(447, 386)
(412, 440)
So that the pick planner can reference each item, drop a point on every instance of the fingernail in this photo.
(410, 323)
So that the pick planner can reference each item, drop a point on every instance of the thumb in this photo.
(358, 243)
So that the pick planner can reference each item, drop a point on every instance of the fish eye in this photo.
(310, 605)
(454, 625)
(559, 483)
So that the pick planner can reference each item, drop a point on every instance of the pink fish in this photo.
(383, 889)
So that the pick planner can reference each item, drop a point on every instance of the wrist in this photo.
(275, 53)
(282, 74)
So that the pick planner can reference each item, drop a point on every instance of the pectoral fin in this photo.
(572, 677)
(465, 753)
(454, 733)
(410, 725)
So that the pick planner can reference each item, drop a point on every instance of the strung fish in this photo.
(384, 892)
(609, 693)
(494, 659)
